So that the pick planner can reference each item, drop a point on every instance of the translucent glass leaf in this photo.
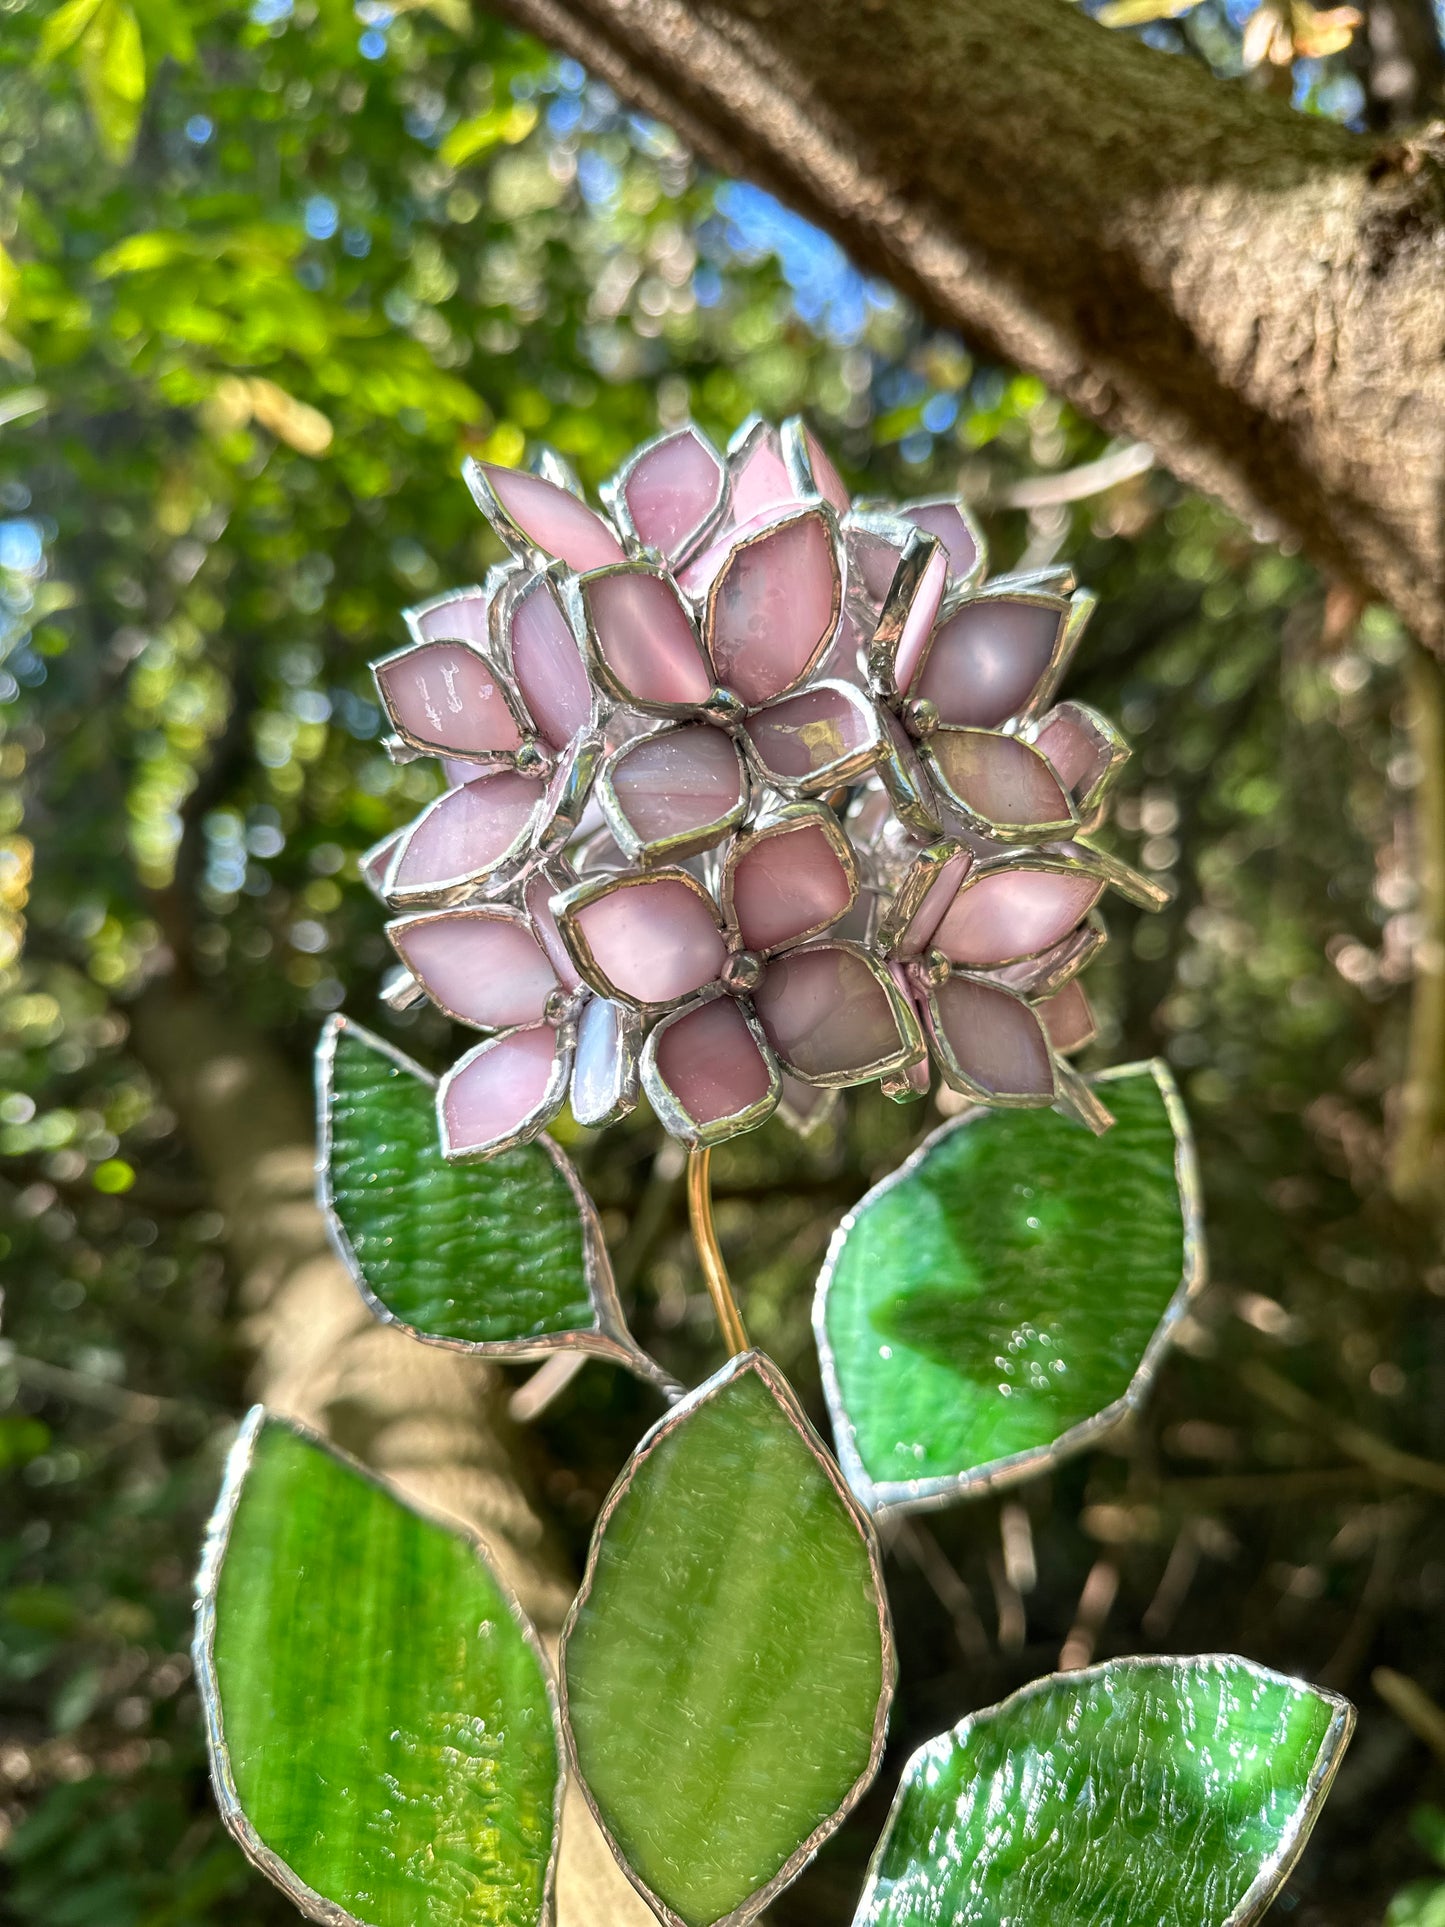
(381, 1727)
(504, 1256)
(1174, 1791)
(727, 1667)
(1003, 1298)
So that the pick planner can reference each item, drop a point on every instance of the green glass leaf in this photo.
(1174, 1791)
(1004, 1297)
(382, 1729)
(728, 1665)
(504, 1257)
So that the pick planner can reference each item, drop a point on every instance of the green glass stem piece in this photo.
(1177, 1792)
(1004, 1298)
(728, 1664)
(504, 1257)
(382, 1730)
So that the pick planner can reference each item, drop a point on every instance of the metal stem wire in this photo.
(704, 1236)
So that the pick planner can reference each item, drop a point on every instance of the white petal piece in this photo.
(604, 1071)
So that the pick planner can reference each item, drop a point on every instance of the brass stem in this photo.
(704, 1236)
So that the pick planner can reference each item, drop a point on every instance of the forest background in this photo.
(265, 278)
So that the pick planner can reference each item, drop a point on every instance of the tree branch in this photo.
(1257, 294)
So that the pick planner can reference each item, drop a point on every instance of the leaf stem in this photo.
(704, 1236)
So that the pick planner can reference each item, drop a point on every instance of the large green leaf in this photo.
(1172, 1792)
(1003, 1298)
(503, 1257)
(727, 1667)
(382, 1731)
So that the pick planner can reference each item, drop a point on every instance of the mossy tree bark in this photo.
(1258, 294)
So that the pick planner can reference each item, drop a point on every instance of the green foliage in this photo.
(1174, 1791)
(388, 1725)
(1004, 1291)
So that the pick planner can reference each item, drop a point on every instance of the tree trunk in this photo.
(432, 1421)
(1258, 294)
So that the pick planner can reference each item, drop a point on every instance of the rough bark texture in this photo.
(432, 1421)
(1257, 294)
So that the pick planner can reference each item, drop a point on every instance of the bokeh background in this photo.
(265, 277)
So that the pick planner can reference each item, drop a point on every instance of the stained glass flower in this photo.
(655, 722)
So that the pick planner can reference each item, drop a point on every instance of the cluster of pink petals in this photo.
(753, 794)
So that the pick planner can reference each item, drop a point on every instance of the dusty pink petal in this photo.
(773, 609)
(1060, 960)
(760, 478)
(447, 696)
(826, 1014)
(829, 482)
(803, 737)
(1079, 753)
(930, 913)
(504, 1086)
(548, 666)
(673, 490)
(653, 941)
(944, 520)
(679, 783)
(1068, 1017)
(788, 886)
(553, 519)
(995, 1040)
(919, 1076)
(467, 832)
(537, 896)
(646, 637)
(922, 613)
(999, 778)
(376, 861)
(454, 618)
(1014, 913)
(710, 1061)
(986, 660)
(601, 1075)
(482, 968)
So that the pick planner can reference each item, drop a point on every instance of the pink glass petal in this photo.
(653, 941)
(922, 613)
(1068, 1017)
(485, 970)
(1014, 913)
(673, 490)
(679, 783)
(774, 608)
(376, 861)
(826, 1014)
(919, 1076)
(646, 637)
(447, 696)
(829, 482)
(788, 886)
(467, 832)
(944, 520)
(999, 778)
(930, 913)
(1079, 754)
(760, 478)
(455, 618)
(501, 1088)
(710, 1061)
(987, 659)
(553, 519)
(996, 1040)
(538, 898)
(601, 1076)
(803, 737)
(551, 676)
